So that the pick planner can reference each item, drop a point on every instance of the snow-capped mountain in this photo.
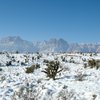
(60, 45)
(89, 47)
(16, 43)
(53, 45)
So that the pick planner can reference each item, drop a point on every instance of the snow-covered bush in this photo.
(24, 93)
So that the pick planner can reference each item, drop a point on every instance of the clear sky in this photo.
(72, 20)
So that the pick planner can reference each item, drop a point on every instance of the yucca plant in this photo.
(52, 69)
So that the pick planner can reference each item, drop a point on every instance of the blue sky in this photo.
(72, 20)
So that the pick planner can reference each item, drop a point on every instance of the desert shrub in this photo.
(65, 94)
(95, 54)
(25, 56)
(91, 54)
(84, 59)
(13, 60)
(52, 69)
(26, 60)
(1, 53)
(46, 61)
(63, 59)
(26, 92)
(97, 64)
(37, 66)
(0, 64)
(71, 61)
(94, 96)
(56, 58)
(7, 55)
(94, 63)
(38, 57)
(80, 77)
(23, 64)
(85, 65)
(3, 78)
(18, 61)
(8, 63)
(17, 52)
(37, 53)
(91, 63)
(33, 58)
(0, 69)
(17, 74)
(32, 68)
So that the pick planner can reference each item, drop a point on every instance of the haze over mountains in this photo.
(15, 43)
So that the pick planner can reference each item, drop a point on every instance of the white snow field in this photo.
(75, 82)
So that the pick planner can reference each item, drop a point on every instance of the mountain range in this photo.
(16, 43)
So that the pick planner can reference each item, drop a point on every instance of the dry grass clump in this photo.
(32, 68)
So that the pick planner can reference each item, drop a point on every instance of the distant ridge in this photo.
(16, 43)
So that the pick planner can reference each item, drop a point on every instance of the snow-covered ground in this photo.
(74, 82)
